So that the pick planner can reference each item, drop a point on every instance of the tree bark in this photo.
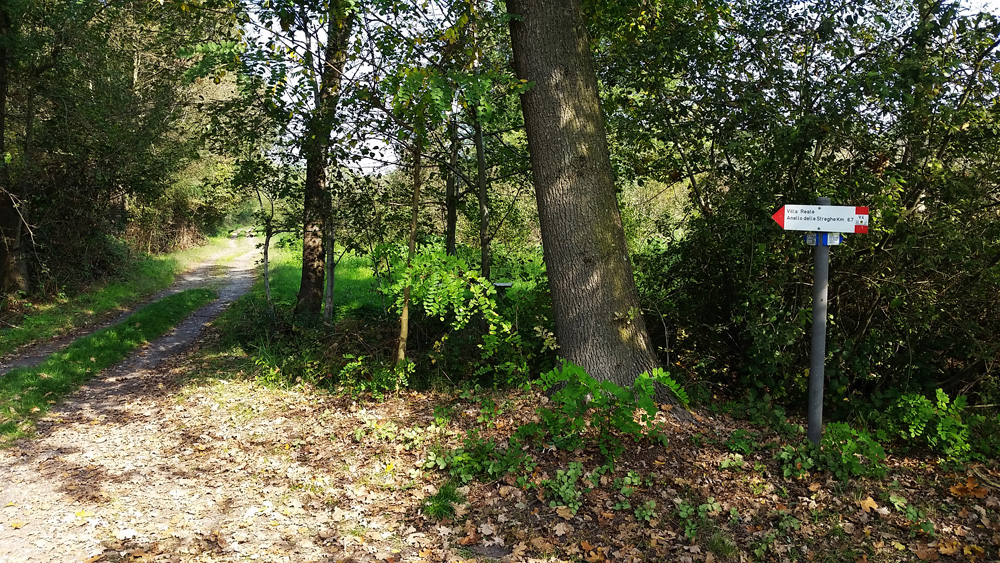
(316, 198)
(451, 190)
(331, 272)
(596, 306)
(484, 202)
(404, 315)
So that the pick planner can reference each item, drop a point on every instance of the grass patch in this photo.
(441, 505)
(356, 292)
(276, 351)
(28, 393)
(145, 277)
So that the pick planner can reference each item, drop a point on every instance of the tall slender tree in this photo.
(316, 144)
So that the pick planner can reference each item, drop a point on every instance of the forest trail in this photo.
(96, 453)
(234, 262)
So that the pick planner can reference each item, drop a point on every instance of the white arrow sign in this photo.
(823, 218)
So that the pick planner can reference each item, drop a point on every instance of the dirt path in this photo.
(102, 464)
(144, 464)
(235, 262)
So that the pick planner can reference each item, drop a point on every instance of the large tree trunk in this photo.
(317, 199)
(598, 321)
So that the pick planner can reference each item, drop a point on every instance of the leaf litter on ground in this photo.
(201, 464)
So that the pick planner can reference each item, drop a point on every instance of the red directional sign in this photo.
(823, 218)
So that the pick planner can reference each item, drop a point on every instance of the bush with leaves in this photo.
(579, 402)
(446, 290)
(843, 451)
(941, 425)
(915, 299)
(579, 406)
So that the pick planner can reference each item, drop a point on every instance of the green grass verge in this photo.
(354, 293)
(144, 278)
(28, 393)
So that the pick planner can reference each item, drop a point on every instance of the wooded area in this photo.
(612, 165)
(558, 212)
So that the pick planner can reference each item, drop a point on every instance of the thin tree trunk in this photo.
(599, 325)
(378, 278)
(484, 203)
(404, 316)
(268, 232)
(451, 191)
(331, 273)
(317, 198)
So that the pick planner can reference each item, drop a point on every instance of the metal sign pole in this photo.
(817, 354)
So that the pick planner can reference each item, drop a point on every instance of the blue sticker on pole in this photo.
(824, 239)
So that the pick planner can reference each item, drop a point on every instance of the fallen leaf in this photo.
(969, 489)
(486, 529)
(564, 512)
(519, 550)
(541, 544)
(925, 553)
(974, 551)
(562, 529)
(586, 546)
(949, 548)
(17, 525)
(868, 504)
(469, 539)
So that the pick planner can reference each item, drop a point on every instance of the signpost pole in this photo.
(817, 354)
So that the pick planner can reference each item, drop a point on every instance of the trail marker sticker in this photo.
(823, 218)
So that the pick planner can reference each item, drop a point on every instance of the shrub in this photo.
(610, 406)
(446, 290)
(843, 451)
(938, 425)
